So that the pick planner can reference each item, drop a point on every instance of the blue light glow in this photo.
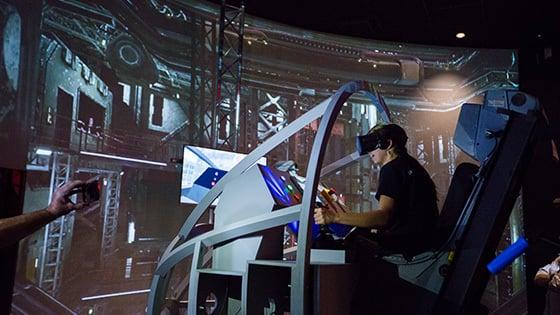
(276, 186)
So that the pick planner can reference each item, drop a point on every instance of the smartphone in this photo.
(91, 190)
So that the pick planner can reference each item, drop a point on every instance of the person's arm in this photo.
(548, 275)
(372, 219)
(542, 277)
(15, 228)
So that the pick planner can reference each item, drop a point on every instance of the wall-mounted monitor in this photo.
(203, 168)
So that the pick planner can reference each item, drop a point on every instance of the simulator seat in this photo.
(389, 276)
(427, 269)
(461, 186)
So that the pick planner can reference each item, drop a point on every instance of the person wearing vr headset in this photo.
(403, 223)
(407, 212)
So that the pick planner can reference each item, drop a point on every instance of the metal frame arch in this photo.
(159, 282)
(300, 294)
(329, 109)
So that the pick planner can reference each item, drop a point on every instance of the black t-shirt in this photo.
(415, 215)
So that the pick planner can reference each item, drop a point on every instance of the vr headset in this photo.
(370, 142)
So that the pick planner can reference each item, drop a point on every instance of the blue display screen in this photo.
(280, 186)
(210, 177)
(285, 193)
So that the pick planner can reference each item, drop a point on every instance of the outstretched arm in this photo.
(15, 228)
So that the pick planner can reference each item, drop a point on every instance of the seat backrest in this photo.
(462, 184)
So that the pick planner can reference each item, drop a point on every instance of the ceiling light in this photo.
(460, 35)
(103, 296)
(122, 158)
(44, 152)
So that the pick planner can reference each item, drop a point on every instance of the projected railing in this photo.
(125, 142)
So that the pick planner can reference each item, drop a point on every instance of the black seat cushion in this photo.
(460, 188)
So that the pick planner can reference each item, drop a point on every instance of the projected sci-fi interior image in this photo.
(165, 102)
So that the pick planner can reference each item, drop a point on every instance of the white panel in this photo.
(234, 256)
(244, 197)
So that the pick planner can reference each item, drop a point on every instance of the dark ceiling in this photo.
(491, 24)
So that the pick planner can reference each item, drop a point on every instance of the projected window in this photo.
(125, 93)
(203, 168)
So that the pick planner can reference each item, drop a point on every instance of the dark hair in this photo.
(392, 132)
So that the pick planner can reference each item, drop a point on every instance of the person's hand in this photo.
(554, 283)
(324, 216)
(60, 204)
(542, 278)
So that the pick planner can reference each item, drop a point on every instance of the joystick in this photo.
(325, 239)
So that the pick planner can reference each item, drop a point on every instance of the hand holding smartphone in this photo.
(88, 192)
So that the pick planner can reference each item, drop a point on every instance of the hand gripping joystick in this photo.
(325, 239)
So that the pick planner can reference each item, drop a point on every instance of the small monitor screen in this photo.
(283, 189)
(203, 168)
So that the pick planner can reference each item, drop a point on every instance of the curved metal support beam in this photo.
(241, 167)
(157, 294)
(193, 278)
(300, 295)
(232, 231)
(228, 232)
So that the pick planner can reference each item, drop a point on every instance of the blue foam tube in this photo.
(507, 256)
